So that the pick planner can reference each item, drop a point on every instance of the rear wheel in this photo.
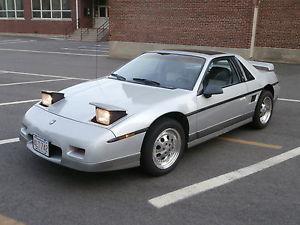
(163, 147)
(263, 110)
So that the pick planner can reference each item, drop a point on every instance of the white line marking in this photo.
(288, 100)
(103, 46)
(15, 42)
(19, 102)
(87, 50)
(34, 82)
(46, 52)
(8, 141)
(41, 75)
(57, 38)
(189, 191)
(9, 40)
(94, 46)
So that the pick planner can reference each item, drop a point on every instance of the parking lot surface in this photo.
(34, 191)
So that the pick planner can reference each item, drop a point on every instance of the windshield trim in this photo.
(140, 83)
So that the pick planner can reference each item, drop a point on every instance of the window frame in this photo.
(105, 10)
(15, 10)
(244, 71)
(51, 11)
(230, 59)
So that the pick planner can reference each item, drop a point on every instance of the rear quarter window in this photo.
(248, 75)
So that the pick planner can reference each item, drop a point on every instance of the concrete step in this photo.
(90, 35)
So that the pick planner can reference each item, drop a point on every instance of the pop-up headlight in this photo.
(102, 116)
(50, 97)
(106, 114)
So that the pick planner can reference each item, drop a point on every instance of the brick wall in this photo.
(220, 23)
(279, 24)
(29, 25)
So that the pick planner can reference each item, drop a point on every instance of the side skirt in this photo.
(219, 129)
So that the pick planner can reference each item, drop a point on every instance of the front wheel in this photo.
(163, 147)
(263, 110)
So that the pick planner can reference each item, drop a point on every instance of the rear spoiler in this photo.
(262, 65)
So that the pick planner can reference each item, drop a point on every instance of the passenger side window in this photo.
(221, 73)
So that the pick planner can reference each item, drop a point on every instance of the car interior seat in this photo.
(220, 76)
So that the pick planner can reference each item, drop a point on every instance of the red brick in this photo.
(218, 23)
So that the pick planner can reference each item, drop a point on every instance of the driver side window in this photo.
(221, 73)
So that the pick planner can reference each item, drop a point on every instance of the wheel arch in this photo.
(179, 117)
(269, 88)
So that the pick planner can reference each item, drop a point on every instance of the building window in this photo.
(51, 9)
(11, 9)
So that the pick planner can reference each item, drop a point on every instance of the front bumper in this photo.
(67, 136)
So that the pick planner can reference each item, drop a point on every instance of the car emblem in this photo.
(52, 122)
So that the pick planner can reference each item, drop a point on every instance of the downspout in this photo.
(77, 19)
(254, 27)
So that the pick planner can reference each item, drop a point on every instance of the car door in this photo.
(221, 110)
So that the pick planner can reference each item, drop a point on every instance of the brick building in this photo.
(225, 25)
(266, 29)
(51, 16)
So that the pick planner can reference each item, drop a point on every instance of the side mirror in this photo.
(210, 90)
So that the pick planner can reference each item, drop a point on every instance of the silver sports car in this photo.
(150, 110)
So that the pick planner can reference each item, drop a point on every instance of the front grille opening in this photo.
(54, 151)
(76, 152)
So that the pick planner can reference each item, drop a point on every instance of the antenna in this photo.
(96, 59)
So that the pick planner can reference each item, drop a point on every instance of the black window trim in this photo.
(241, 66)
(238, 68)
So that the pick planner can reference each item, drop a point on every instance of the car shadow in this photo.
(67, 175)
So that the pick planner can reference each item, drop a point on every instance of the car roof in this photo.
(194, 52)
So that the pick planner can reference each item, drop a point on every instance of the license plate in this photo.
(40, 145)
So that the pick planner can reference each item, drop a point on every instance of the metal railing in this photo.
(83, 31)
(101, 31)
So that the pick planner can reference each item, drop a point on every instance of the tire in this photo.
(163, 137)
(262, 118)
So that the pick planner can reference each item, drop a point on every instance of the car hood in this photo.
(131, 97)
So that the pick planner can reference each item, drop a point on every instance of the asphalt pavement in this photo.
(36, 192)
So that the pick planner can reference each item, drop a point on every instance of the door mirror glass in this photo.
(212, 89)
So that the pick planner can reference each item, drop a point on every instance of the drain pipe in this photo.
(77, 15)
(254, 27)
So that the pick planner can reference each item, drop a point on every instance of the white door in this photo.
(101, 15)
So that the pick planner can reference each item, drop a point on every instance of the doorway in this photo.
(100, 13)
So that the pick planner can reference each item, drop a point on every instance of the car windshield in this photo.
(164, 70)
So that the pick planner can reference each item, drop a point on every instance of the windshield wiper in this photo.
(119, 77)
(146, 81)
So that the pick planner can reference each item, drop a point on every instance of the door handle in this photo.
(243, 98)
